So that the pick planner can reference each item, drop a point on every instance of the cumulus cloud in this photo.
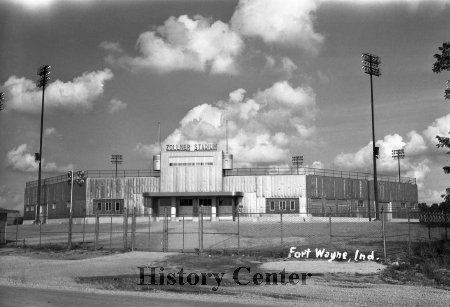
(289, 23)
(116, 105)
(50, 131)
(263, 129)
(420, 154)
(185, 43)
(318, 164)
(282, 66)
(23, 95)
(111, 46)
(21, 160)
(10, 199)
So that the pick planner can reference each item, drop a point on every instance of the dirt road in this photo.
(59, 275)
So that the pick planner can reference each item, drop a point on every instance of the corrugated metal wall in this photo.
(257, 188)
(345, 188)
(206, 178)
(56, 196)
(128, 188)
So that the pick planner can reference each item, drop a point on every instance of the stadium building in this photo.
(187, 177)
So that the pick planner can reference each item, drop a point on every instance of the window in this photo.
(186, 202)
(54, 206)
(272, 206)
(360, 203)
(108, 206)
(403, 205)
(204, 202)
(282, 205)
(292, 206)
(68, 204)
(32, 208)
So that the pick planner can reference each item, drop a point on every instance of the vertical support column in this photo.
(97, 230)
(133, 229)
(125, 229)
(173, 208)
(214, 209)
(383, 232)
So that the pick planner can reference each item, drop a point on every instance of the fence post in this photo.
(201, 246)
(97, 230)
(281, 229)
(125, 229)
(239, 233)
(382, 229)
(69, 239)
(166, 231)
(40, 234)
(331, 232)
(149, 243)
(17, 230)
(409, 232)
(445, 224)
(110, 234)
(133, 230)
(84, 225)
(429, 226)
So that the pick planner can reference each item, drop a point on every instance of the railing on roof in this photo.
(234, 172)
(98, 174)
(314, 171)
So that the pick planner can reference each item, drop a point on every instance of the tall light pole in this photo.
(2, 97)
(116, 159)
(370, 67)
(297, 161)
(43, 73)
(398, 154)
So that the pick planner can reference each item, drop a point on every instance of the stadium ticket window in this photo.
(185, 207)
(205, 204)
(225, 206)
(165, 205)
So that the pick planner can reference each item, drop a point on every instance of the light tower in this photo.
(370, 67)
(43, 73)
(116, 159)
(297, 161)
(398, 154)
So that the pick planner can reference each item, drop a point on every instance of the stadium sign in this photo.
(189, 147)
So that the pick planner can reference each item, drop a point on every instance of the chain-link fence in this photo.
(271, 234)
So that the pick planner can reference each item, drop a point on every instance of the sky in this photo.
(286, 75)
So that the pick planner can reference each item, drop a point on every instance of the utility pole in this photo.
(43, 73)
(297, 161)
(398, 154)
(370, 67)
(116, 159)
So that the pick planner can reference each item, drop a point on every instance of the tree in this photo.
(443, 64)
(2, 106)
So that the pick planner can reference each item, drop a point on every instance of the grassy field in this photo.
(227, 236)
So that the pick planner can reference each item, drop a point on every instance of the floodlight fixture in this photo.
(371, 67)
(116, 159)
(44, 74)
(398, 154)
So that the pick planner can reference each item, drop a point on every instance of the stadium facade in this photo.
(189, 178)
